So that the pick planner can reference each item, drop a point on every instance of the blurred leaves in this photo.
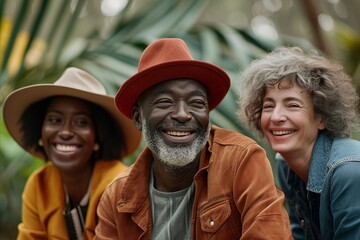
(348, 40)
(42, 38)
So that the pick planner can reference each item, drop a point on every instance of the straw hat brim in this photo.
(17, 102)
(213, 77)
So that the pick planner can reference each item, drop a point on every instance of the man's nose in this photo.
(181, 112)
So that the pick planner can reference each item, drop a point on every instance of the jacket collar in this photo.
(319, 159)
(135, 192)
(135, 189)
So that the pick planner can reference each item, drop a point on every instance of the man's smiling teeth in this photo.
(179, 134)
(66, 148)
(281, 132)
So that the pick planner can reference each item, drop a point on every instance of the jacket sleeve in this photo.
(341, 208)
(259, 201)
(31, 227)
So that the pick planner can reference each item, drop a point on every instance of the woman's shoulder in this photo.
(110, 165)
(106, 170)
(344, 150)
(45, 172)
(44, 181)
(228, 137)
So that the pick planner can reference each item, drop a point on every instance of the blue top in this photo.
(329, 206)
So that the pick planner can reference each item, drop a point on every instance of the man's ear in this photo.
(136, 117)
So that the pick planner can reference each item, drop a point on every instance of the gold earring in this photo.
(40, 142)
(96, 147)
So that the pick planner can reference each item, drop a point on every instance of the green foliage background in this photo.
(112, 58)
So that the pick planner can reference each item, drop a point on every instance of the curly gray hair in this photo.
(333, 95)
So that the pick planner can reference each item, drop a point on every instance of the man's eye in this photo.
(163, 102)
(198, 104)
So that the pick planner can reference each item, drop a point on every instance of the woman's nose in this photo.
(278, 115)
(66, 131)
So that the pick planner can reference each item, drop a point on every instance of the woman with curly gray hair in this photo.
(306, 107)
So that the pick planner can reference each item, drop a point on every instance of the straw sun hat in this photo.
(166, 59)
(74, 82)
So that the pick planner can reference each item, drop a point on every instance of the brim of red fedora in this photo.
(19, 100)
(214, 78)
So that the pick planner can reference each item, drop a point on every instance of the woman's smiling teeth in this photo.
(66, 148)
(281, 132)
(178, 134)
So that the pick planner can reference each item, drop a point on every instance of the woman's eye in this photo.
(294, 105)
(53, 119)
(267, 106)
(81, 122)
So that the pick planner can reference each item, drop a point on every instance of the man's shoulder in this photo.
(115, 187)
(230, 137)
(120, 179)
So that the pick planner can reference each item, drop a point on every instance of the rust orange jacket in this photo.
(43, 201)
(235, 195)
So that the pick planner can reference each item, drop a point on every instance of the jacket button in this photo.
(212, 223)
(302, 222)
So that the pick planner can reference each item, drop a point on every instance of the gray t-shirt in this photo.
(171, 212)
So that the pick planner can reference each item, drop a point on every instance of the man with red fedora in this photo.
(193, 180)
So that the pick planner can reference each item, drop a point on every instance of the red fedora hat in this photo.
(166, 59)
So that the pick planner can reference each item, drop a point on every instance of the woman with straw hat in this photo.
(75, 127)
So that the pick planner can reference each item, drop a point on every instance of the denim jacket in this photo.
(328, 207)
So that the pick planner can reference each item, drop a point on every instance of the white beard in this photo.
(177, 156)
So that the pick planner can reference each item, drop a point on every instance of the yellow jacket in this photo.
(43, 201)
